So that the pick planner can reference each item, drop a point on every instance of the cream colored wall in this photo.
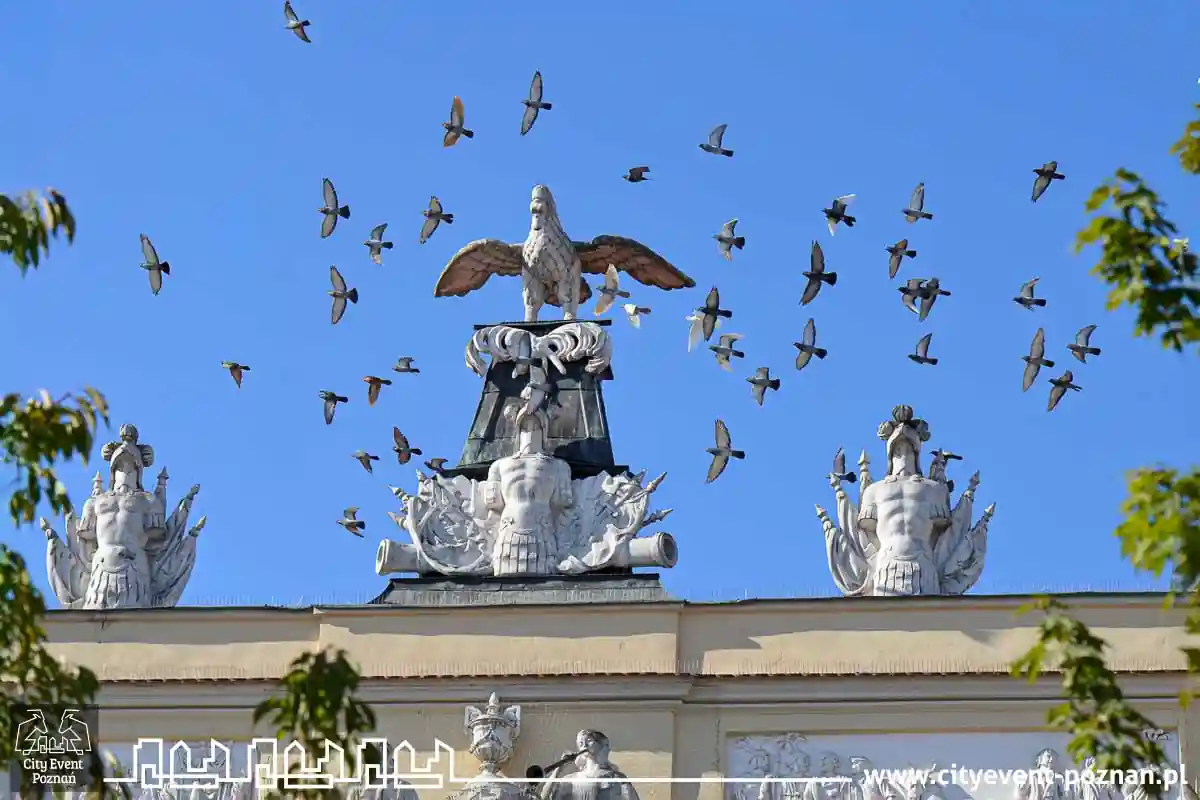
(670, 683)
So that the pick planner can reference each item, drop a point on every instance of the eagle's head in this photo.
(541, 207)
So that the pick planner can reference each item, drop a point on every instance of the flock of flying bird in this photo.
(917, 294)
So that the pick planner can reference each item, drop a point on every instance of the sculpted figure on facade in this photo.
(594, 775)
(123, 551)
(551, 265)
(1045, 781)
(828, 765)
(780, 758)
(904, 537)
(1096, 789)
(529, 517)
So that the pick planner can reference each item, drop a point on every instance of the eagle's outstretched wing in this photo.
(641, 263)
(474, 264)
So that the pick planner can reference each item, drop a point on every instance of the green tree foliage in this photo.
(1149, 270)
(29, 674)
(35, 434)
(29, 221)
(317, 706)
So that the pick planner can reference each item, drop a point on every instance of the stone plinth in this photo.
(619, 586)
(578, 430)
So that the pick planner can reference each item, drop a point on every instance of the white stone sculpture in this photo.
(590, 780)
(567, 343)
(903, 537)
(551, 265)
(529, 517)
(1045, 780)
(494, 731)
(786, 768)
(124, 551)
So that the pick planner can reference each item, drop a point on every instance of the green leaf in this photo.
(1102, 723)
(29, 221)
(1141, 263)
(316, 705)
(38, 433)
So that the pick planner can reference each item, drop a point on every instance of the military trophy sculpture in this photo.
(904, 537)
(123, 551)
(537, 491)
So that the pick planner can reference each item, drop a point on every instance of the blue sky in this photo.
(209, 129)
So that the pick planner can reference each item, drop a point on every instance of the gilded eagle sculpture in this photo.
(551, 266)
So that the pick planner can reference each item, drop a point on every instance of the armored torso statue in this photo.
(529, 490)
(904, 538)
(123, 551)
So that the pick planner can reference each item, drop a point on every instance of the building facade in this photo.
(696, 692)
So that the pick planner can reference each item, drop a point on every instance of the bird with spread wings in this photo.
(551, 265)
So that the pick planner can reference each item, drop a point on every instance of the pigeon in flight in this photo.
(1026, 299)
(1059, 388)
(454, 128)
(711, 313)
(929, 293)
(837, 213)
(294, 23)
(909, 292)
(437, 465)
(921, 355)
(726, 241)
(1035, 360)
(696, 328)
(404, 365)
(816, 274)
(331, 210)
(760, 382)
(532, 106)
(916, 205)
(1080, 347)
(839, 467)
(401, 449)
(808, 345)
(376, 245)
(634, 313)
(721, 453)
(331, 400)
(946, 455)
(897, 253)
(637, 174)
(433, 215)
(365, 458)
(351, 524)
(235, 371)
(1045, 174)
(714, 142)
(609, 290)
(340, 295)
(374, 384)
(152, 264)
(724, 350)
